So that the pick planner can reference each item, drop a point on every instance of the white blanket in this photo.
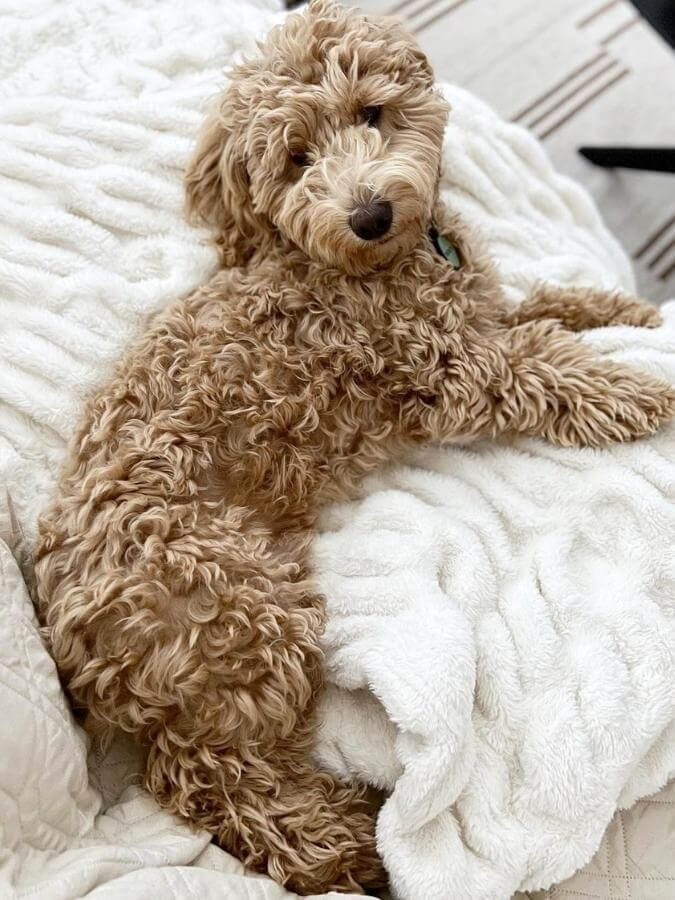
(509, 609)
(513, 611)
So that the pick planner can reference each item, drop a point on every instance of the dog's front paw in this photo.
(655, 405)
(636, 312)
(631, 408)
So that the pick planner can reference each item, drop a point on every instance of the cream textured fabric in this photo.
(430, 580)
(635, 860)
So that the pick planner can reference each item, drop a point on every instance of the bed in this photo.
(442, 580)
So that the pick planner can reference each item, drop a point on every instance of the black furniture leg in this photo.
(661, 15)
(653, 159)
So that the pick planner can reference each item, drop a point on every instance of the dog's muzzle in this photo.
(371, 220)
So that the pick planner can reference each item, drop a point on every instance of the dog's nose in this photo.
(372, 220)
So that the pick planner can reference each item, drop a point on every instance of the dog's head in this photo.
(330, 139)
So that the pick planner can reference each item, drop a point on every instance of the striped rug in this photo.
(575, 72)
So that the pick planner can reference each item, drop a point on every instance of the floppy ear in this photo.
(401, 44)
(216, 186)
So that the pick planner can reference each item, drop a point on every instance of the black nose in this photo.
(371, 220)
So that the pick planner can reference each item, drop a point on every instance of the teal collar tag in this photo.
(443, 246)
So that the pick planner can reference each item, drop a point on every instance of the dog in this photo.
(352, 316)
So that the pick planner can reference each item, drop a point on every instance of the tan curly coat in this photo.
(172, 567)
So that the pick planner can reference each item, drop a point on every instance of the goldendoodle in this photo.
(352, 315)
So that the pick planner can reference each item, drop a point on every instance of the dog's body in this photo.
(172, 568)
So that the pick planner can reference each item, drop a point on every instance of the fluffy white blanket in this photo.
(500, 634)
(512, 611)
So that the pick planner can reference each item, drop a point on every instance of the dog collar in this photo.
(445, 247)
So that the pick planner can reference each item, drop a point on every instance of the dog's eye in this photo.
(300, 158)
(371, 115)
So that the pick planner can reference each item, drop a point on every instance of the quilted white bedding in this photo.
(500, 640)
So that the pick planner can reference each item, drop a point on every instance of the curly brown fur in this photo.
(172, 567)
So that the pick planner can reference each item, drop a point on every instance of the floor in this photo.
(575, 72)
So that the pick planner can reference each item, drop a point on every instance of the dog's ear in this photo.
(325, 8)
(217, 189)
(402, 45)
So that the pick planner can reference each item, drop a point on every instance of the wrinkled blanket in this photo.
(500, 638)
(512, 609)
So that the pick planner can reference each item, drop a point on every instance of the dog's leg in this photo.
(239, 766)
(205, 646)
(273, 811)
(580, 308)
(555, 387)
